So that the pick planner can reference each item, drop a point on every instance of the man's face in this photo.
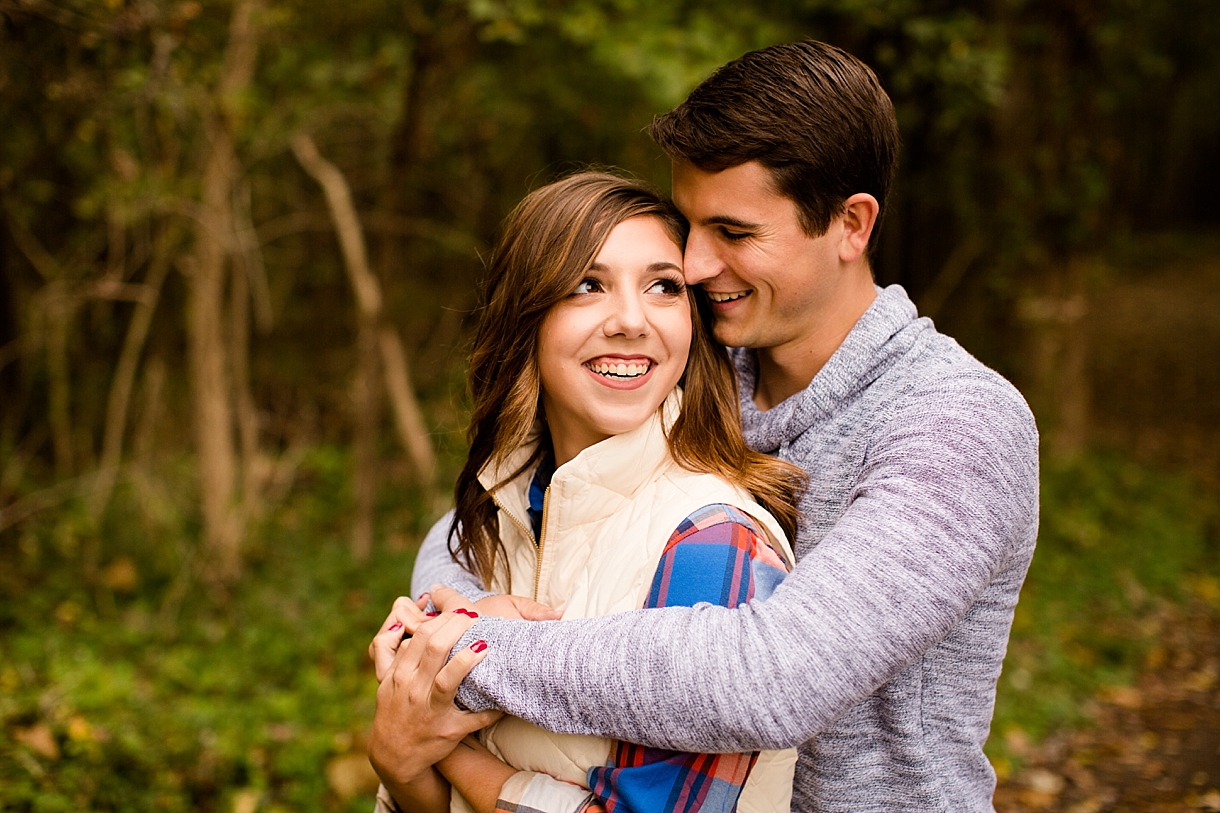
(770, 283)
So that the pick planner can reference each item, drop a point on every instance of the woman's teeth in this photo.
(620, 370)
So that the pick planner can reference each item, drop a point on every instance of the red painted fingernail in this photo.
(433, 614)
(397, 626)
(469, 613)
(478, 646)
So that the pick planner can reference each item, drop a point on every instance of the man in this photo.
(879, 654)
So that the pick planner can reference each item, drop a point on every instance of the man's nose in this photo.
(699, 261)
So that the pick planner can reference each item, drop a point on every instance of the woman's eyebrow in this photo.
(659, 266)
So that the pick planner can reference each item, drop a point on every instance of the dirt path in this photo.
(1155, 746)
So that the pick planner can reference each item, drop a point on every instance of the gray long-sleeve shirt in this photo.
(879, 654)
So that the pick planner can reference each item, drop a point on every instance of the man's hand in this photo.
(517, 607)
(416, 723)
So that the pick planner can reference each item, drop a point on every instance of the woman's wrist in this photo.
(476, 773)
(426, 793)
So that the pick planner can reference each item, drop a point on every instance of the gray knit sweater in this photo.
(879, 654)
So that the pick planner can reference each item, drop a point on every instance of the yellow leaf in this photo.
(246, 801)
(79, 729)
(121, 575)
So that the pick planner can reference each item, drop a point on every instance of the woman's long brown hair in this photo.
(546, 247)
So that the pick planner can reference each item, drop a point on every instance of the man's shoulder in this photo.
(939, 377)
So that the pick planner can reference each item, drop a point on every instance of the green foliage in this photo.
(156, 700)
(1118, 543)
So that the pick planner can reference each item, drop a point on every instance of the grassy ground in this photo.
(124, 687)
(1119, 546)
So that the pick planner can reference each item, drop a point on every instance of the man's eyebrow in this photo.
(725, 220)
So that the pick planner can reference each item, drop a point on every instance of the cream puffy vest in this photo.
(607, 517)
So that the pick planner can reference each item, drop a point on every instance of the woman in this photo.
(607, 472)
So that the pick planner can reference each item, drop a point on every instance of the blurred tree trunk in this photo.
(59, 310)
(243, 398)
(209, 356)
(117, 404)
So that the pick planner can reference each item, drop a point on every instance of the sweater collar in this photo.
(885, 332)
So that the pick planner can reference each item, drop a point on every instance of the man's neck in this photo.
(786, 369)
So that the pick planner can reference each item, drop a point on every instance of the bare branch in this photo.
(27, 506)
(347, 224)
(410, 421)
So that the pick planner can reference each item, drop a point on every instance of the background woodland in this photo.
(240, 246)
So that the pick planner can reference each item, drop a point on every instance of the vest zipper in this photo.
(520, 525)
(546, 504)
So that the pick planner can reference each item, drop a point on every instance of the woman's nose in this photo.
(628, 316)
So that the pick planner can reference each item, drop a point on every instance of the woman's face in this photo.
(612, 351)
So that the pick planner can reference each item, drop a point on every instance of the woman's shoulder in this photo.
(712, 501)
(715, 514)
(728, 525)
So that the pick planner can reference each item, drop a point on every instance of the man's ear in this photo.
(859, 217)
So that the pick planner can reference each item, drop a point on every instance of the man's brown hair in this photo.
(811, 113)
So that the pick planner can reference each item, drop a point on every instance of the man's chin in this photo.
(730, 336)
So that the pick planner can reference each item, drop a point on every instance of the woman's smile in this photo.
(621, 372)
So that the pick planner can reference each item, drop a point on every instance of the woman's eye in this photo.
(587, 286)
(666, 286)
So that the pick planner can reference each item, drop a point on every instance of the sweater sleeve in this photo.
(434, 564)
(947, 496)
(719, 556)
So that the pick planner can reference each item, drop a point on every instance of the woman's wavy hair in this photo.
(546, 246)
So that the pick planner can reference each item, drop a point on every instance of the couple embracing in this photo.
(683, 578)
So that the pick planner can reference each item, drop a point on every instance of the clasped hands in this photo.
(416, 723)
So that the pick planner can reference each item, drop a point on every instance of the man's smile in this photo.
(718, 296)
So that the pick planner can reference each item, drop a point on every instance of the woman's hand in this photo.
(416, 723)
(516, 607)
(404, 618)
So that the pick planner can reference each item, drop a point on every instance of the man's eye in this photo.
(733, 236)
(587, 286)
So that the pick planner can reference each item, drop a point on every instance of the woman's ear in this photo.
(859, 217)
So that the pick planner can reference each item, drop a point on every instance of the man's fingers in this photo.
(453, 673)
(531, 610)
